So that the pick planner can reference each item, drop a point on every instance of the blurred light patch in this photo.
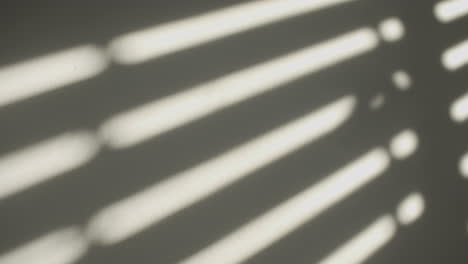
(402, 80)
(456, 56)
(36, 76)
(404, 144)
(459, 109)
(448, 11)
(60, 247)
(365, 244)
(291, 214)
(391, 29)
(45, 160)
(151, 43)
(377, 101)
(410, 209)
(463, 166)
(152, 119)
(135, 213)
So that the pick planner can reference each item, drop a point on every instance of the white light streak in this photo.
(43, 74)
(365, 244)
(27, 167)
(404, 144)
(151, 43)
(410, 209)
(294, 212)
(60, 247)
(152, 119)
(135, 213)
(459, 109)
(450, 10)
(456, 56)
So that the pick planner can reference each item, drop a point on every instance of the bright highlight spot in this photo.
(135, 213)
(60, 247)
(291, 214)
(450, 10)
(45, 160)
(459, 109)
(43, 74)
(456, 56)
(365, 244)
(392, 29)
(140, 46)
(401, 79)
(410, 209)
(404, 144)
(464, 165)
(152, 119)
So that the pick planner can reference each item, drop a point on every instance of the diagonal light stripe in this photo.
(43, 74)
(263, 231)
(142, 45)
(45, 160)
(365, 244)
(60, 247)
(450, 10)
(152, 119)
(135, 213)
(456, 56)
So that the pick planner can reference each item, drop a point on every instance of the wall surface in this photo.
(276, 131)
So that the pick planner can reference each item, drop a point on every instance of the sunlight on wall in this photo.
(49, 72)
(142, 45)
(45, 160)
(137, 212)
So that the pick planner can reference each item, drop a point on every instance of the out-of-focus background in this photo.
(275, 131)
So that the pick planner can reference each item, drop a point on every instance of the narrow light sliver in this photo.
(294, 212)
(154, 118)
(463, 165)
(135, 213)
(154, 42)
(49, 72)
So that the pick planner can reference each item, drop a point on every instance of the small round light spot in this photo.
(404, 144)
(391, 29)
(410, 209)
(402, 80)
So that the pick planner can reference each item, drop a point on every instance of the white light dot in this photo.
(463, 166)
(410, 209)
(391, 29)
(404, 144)
(401, 79)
